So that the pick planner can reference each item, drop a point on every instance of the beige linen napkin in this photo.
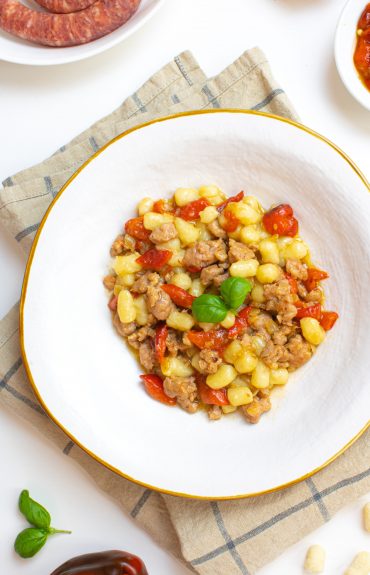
(211, 538)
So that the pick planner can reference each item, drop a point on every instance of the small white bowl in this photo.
(345, 43)
(18, 51)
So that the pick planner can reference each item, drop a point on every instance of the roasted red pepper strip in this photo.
(237, 198)
(135, 228)
(191, 211)
(241, 322)
(280, 221)
(210, 396)
(112, 304)
(310, 311)
(154, 386)
(178, 295)
(314, 276)
(161, 333)
(232, 223)
(154, 259)
(328, 319)
(215, 339)
(103, 563)
(293, 283)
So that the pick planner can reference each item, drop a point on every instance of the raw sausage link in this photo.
(65, 6)
(81, 27)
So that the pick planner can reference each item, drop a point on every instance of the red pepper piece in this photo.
(210, 396)
(193, 269)
(292, 282)
(162, 207)
(154, 387)
(154, 259)
(192, 210)
(103, 563)
(280, 221)
(328, 319)
(232, 223)
(310, 311)
(161, 333)
(178, 295)
(241, 322)
(237, 198)
(135, 228)
(314, 276)
(215, 339)
(112, 304)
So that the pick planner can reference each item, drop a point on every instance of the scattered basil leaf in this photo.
(30, 541)
(35, 513)
(234, 291)
(209, 308)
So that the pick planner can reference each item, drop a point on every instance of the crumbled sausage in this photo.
(214, 412)
(281, 335)
(159, 302)
(210, 274)
(124, 329)
(239, 251)
(301, 290)
(129, 243)
(118, 246)
(216, 229)
(163, 233)
(275, 355)
(109, 282)
(175, 343)
(147, 354)
(204, 253)
(144, 280)
(209, 361)
(314, 296)
(253, 411)
(140, 335)
(296, 269)
(184, 389)
(279, 300)
(300, 351)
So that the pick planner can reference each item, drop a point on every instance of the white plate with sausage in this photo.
(52, 32)
(87, 379)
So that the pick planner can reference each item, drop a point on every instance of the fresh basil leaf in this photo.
(29, 541)
(35, 513)
(234, 291)
(209, 308)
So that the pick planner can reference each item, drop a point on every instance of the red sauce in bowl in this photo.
(361, 57)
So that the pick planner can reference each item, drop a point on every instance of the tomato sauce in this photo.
(361, 57)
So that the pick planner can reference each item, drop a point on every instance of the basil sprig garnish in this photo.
(234, 291)
(32, 539)
(210, 308)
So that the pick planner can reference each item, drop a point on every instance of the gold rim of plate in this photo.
(28, 269)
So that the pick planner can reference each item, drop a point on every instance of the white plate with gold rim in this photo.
(88, 381)
(13, 49)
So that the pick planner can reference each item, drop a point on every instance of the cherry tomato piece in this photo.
(241, 322)
(192, 210)
(154, 259)
(215, 339)
(161, 333)
(314, 276)
(310, 311)
(232, 223)
(154, 387)
(112, 304)
(162, 207)
(193, 269)
(280, 221)
(328, 319)
(178, 295)
(211, 396)
(237, 198)
(135, 228)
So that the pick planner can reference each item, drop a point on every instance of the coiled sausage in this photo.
(73, 29)
(65, 6)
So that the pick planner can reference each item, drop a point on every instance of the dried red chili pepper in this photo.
(103, 563)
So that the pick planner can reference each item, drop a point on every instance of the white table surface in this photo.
(42, 108)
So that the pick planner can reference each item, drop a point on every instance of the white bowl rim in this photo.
(357, 90)
(94, 48)
(28, 270)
